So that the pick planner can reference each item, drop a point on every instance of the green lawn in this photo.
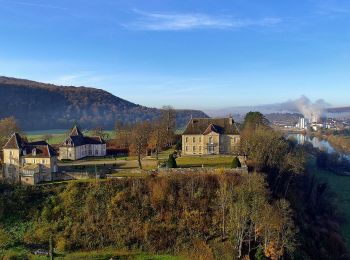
(58, 136)
(340, 185)
(206, 161)
(54, 138)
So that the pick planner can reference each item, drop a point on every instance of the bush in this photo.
(259, 255)
(171, 163)
(5, 239)
(236, 163)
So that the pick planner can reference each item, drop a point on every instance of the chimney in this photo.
(230, 119)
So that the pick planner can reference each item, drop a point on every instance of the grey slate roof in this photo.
(77, 138)
(203, 126)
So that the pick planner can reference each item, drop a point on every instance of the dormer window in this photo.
(34, 151)
(24, 152)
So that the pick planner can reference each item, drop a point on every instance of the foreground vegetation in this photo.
(214, 215)
(103, 254)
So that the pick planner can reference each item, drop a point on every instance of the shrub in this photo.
(5, 239)
(259, 255)
(171, 163)
(236, 163)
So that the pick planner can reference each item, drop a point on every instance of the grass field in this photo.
(57, 136)
(206, 161)
(340, 185)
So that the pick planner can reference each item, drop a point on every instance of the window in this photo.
(43, 162)
(33, 160)
(11, 153)
(194, 149)
(200, 139)
(194, 139)
(186, 148)
(96, 152)
(210, 140)
(186, 139)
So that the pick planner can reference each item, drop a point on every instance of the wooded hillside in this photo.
(39, 106)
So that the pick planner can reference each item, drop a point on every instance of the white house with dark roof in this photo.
(28, 162)
(206, 136)
(77, 146)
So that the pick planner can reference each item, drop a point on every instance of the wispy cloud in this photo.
(36, 5)
(155, 21)
(331, 8)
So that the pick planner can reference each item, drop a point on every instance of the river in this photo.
(323, 145)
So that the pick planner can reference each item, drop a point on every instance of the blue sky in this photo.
(190, 54)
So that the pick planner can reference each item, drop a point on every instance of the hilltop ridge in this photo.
(41, 106)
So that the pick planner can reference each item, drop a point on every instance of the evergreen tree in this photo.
(253, 120)
(259, 255)
(171, 163)
(236, 163)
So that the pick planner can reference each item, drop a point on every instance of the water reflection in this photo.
(322, 145)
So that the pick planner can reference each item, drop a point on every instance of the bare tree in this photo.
(223, 196)
(99, 131)
(168, 118)
(8, 126)
(123, 132)
(158, 137)
(139, 137)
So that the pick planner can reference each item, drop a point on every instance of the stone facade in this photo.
(78, 146)
(28, 163)
(206, 136)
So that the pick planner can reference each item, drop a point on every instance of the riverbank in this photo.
(340, 143)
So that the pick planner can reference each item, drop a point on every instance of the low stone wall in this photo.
(66, 176)
(242, 170)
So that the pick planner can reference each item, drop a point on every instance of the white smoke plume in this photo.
(312, 111)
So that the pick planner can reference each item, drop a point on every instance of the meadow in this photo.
(56, 136)
(340, 185)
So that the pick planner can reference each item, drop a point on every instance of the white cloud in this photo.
(186, 21)
(36, 5)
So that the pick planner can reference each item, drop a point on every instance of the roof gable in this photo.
(76, 138)
(203, 126)
(76, 131)
(15, 142)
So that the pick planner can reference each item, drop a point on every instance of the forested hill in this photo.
(45, 106)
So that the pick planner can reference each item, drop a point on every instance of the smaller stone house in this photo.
(77, 146)
(28, 162)
(210, 136)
